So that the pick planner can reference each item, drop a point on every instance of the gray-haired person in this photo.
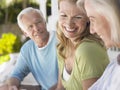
(38, 55)
(104, 17)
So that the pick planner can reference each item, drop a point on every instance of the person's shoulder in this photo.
(88, 45)
(53, 35)
(28, 44)
(91, 50)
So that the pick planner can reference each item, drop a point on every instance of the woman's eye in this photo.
(78, 17)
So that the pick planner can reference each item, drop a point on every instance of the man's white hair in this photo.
(26, 11)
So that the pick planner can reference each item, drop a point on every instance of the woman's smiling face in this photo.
(98, 24)
(72, 20)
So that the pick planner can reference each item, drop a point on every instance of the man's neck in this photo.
(44, 41)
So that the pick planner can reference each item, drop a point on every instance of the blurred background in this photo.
(9, 10)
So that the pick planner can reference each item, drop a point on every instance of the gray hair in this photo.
(110, 9)
(26, 11)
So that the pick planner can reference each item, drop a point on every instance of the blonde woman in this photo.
(81, 56)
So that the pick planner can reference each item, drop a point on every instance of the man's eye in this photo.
(30, 27)
(39, 21)
(64, 15)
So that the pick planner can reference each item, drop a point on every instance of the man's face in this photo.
(35, 27)
(98, 23)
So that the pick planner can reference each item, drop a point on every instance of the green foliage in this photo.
(12, 10)
(4, 58)
(48, 7)
(2, 15)
(8, 13)
(9, 43)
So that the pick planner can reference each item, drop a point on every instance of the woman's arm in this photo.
(87, 83)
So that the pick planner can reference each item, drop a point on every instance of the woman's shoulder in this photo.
(90, 46)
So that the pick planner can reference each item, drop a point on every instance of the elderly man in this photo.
(38, 55)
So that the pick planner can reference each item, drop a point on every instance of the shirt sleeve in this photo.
(93, 60)
(21, 68)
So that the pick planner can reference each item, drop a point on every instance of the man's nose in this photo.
(35, 27)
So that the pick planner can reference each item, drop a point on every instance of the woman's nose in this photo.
(92, 31)
(69, 23)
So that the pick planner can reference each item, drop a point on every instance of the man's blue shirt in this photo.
(41, 62)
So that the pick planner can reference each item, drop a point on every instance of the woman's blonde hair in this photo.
(64, 43)
(110, 9)
(74, 1)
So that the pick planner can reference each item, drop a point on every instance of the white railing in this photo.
(51, 24)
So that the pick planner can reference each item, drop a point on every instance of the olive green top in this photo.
(91, 60)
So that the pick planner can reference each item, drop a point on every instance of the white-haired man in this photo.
(38, 55)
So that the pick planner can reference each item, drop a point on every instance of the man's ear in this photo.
(25, 33)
